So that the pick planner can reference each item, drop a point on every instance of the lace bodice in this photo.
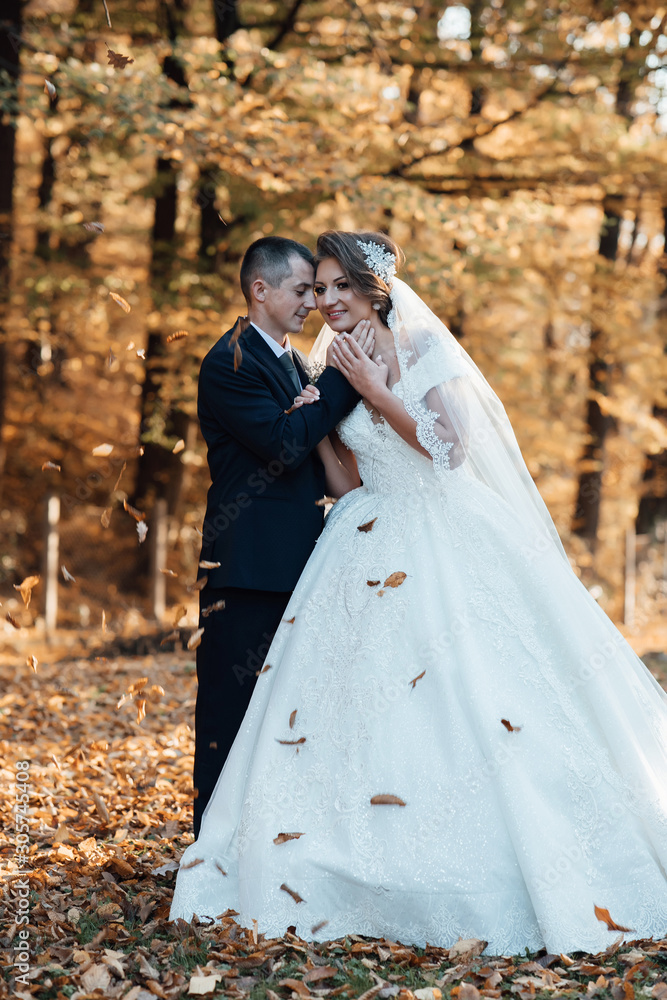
(387, 463)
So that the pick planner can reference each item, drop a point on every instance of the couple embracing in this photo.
(423, 727)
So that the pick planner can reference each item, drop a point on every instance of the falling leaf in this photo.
(192, 864)
(372, 583)
(282, 838)
(138, 515)
(509, 727)
(102, 450)
(267, 666)
(178, 447)
(295, 895)
(318, 927)
(179, 613)
(120, 476)
(93, 227)
(207, 564)
(417, 678)
(111, 357)
(117, 59)
(221, 219)
(387, 800)
(130, 346)
(119, 300)
(142, 531)
(50, 465)
(105, 517)
(26, 588)
(172, 637)
(368, 526)
(50, 90)
(168, 572)
(32, 662)
(292, 718)
(604, 916)
(289, 621)
(141, 353)
(177, 336)
(395, 579)
(292, 743)
(141, 709)
(195, 638)
(199, 584)
(325, 501)
(67, 575)
(104, 621)
(216, 606)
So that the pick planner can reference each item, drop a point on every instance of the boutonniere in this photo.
(312, 369)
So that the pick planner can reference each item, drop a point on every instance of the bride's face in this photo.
(341, 307)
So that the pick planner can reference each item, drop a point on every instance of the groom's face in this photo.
(288, 305)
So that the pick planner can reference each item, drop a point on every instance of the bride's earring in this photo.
(376, 305)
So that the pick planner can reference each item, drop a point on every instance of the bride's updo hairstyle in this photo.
(345, 248)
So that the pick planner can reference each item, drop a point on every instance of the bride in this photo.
(448, 737)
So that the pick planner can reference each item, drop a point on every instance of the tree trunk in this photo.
(587, 511)
(10, 32)
(653, 503)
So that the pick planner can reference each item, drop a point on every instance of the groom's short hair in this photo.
(269, 258)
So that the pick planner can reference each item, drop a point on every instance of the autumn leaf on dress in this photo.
(604, 916)
(372, 583)
(395, 579)
(387, 800)
(318, 927)
(289, 621)
(292, 719)
(368, 526)
(282, 838)
(417, 678)
(295, 895)
(292, 743)
(509, 727)
(192, 864)
(117, 59)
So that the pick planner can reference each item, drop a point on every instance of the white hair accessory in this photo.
(380, 261)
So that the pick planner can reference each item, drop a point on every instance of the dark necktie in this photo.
(288, 366)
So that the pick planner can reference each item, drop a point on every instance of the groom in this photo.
(261, 518)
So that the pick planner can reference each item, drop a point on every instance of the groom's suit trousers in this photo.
(228, 659)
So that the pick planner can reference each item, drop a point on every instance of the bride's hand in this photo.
(309, 394)
(363, 334)
(364, 375)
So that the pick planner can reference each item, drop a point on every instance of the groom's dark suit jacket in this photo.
(261, 518)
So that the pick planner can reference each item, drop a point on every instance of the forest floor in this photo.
(110, 812)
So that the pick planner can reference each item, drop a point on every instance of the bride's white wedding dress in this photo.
(510, 835)
(448, 738)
